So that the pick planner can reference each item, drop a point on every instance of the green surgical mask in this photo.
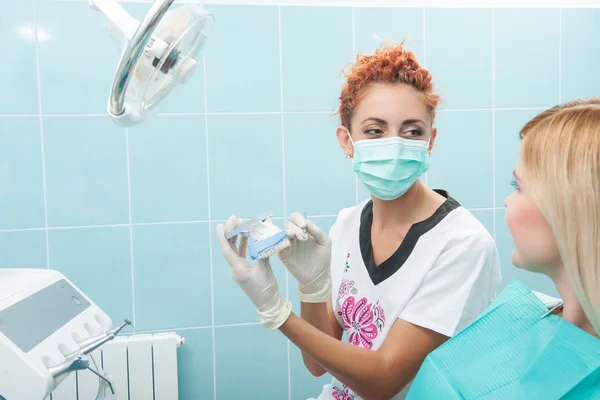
(388, 167)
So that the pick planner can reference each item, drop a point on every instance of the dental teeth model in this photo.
(268, 238)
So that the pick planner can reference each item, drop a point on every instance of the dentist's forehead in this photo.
(392, 103)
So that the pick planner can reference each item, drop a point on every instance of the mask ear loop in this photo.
(351, 141)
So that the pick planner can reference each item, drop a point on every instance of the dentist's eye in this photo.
(514, 184)
(373, 132)
(412, 133)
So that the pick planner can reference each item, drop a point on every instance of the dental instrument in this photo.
(159, 53)
(48, 328)
(268, 238)
(553, 304)
(306, 218)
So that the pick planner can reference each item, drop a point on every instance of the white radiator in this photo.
(141, 367)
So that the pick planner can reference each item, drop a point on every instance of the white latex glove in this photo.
(259, 283)
(308, 259)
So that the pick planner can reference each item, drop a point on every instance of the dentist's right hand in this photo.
(259, 283)
(308, 259)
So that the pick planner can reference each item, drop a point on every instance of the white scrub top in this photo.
(443, 275)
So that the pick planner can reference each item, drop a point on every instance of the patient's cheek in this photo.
(525, 215)
(535, 245)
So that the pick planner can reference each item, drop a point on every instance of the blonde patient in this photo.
(554, 213)
(554, 218)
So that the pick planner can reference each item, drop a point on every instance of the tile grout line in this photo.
(22, 230)
(41, 122)
(494, 123)
(425, 64)
(559, 55)
(334, 3)
(356, 183)
(287, 273)
(57, 228)
(258, 113)
(485, 208)
(131, 263)
(424, 37)
(191, 328)
(493, 109)
(210, 233)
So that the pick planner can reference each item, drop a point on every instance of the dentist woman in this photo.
(399, 273)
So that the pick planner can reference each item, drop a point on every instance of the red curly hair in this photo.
(389, 64)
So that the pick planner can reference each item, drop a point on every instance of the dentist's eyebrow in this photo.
(378, 120)
(412, 122)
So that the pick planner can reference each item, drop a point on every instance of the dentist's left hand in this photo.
(259, 283)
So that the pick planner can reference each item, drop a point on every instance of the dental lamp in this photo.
(159, 53)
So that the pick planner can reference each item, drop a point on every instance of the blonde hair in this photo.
(561, 159)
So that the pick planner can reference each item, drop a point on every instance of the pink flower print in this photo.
(358, 322)
(345, 287)
(342, 394)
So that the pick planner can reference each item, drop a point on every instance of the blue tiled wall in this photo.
(129, 215)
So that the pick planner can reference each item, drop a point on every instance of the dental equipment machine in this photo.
(159, 53)
(268, 238)
(48, 328)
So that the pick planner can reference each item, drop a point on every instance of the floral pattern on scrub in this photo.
(362, 321)
(359, 318)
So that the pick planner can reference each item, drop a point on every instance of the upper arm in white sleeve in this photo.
(458, 287)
